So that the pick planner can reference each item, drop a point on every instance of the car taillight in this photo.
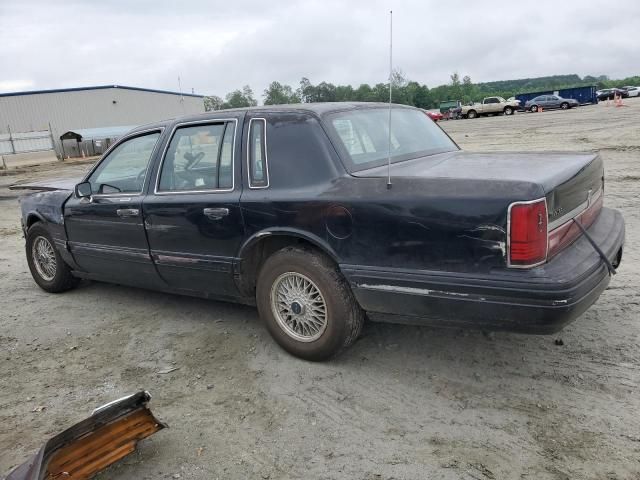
(527, 242)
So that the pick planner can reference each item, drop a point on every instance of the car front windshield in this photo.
(363, 140)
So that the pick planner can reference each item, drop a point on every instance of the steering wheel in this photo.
(192, 159)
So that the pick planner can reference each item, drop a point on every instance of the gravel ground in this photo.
(403, 403)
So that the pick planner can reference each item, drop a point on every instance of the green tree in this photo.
(398, 78)
(467, 89)
(456, 90)
(417, 95)
(212, 102)
(278, 94)
(306, 91)
(325, 92)
(240, 98)
(345, 93)
(364, 93)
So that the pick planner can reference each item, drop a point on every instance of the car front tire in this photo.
(534, 108)
(47, 267)
(307, 304)
(564, 106)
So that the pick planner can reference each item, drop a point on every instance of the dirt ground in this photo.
(403, 403)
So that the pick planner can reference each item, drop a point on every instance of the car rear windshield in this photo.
(362, 136)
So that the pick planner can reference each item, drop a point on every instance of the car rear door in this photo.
(192, 212)
(553, 101)
(105, 231)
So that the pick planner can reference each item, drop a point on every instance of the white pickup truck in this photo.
(490, 106)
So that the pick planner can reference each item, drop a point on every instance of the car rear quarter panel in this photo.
(302, 167)
(419, 224)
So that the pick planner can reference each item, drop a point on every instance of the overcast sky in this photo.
(218, 46)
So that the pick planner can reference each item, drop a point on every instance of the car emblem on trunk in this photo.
(557, 212)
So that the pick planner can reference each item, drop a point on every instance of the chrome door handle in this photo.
(216, 213)
(128, 212)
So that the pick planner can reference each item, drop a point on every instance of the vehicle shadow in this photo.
(380, 343)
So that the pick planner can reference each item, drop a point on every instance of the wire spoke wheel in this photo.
(299, 307)
(44, 258)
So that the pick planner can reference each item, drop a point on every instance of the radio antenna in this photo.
(390, 90)
(181, 96)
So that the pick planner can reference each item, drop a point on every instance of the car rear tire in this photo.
(564, 106)
(307, 304)
(471, 114)
(534, 108)
(508, 111)
(47, 267)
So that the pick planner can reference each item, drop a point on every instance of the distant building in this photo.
(70, 109)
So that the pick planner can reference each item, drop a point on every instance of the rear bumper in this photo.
(538, 300)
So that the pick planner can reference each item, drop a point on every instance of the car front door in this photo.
(192, 213)
(105, 231)
(489, 105)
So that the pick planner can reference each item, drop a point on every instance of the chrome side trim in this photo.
(592, 197)
(266, 156)
(106, 154)
(509, 233)
(156, 190)
(192, 261)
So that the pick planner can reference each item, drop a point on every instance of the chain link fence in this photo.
(25, 142)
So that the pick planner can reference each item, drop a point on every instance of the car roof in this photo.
(318, 109)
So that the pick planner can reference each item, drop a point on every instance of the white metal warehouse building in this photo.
(63, 110)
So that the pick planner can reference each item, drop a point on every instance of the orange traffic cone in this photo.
(619, 102)
(540, 108)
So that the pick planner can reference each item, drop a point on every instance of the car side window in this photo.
(199, 158)
(125, 168)
(257, 154)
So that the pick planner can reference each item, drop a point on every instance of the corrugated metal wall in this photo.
(70, 110)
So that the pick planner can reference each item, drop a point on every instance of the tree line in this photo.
(406, 91)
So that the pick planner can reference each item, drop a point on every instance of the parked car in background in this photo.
(632, 91)
(324, 214)
(584, 95)
(611, 93)
(447, 105)
(548, 102)
(490, 106)
(435, 116)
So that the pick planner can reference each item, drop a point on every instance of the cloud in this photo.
(216, 47)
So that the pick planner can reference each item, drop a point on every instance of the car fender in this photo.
(287, 231)
(48, 208)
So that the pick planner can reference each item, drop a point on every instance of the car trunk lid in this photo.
(567, 180)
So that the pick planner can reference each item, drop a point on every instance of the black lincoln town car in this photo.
(290, 208)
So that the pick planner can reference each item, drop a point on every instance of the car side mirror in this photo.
(83, 190)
